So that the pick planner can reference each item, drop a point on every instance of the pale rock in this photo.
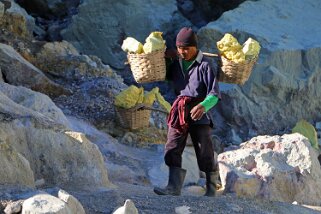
(41, 135)
(280, 168)
(73, 204)
(63, 60)
(1, 9)
(17, 20)
(127, 208)
(14, 168)
(182, 210)
(18, 71)
(14, 207)
(45, 203)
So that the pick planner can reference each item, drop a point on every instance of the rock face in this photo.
(283, 86)
(16, 19)
(18, 71)
(280, 168)
(14, 168)
(99, 28)
(37, 130)
(61, 59)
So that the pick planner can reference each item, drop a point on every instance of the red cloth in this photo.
(177, 118)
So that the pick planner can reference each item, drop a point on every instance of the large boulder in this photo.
(34, 127)
(18, 71)
(45, 203)
(16, 19)
(61, 59)
(281, 168)
(283, 86)
(100, 27)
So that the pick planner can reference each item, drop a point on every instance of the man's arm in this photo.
(209, 102)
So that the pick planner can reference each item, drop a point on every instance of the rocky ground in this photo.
(149, 203)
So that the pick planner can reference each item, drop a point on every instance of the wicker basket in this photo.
(133, 118)
(148, 67)
(237, 73)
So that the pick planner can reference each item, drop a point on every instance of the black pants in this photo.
(202, 143)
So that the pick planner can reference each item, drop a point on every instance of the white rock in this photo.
(44, 203)
(281, 168)
(73, 204)
(128, 208)
(32, 125)
(182, 210)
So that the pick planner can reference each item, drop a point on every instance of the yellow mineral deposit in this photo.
(251, 49)
(154, 42)
(131, 45)
(150, 97)
(163, 102)
(130, 97)
(231, 49)
(133, 96)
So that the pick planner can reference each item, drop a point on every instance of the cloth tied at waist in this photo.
(178, 114)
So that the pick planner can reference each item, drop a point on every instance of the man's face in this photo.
(187, 53)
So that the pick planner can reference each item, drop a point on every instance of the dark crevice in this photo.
(202, 12)
(51, 17)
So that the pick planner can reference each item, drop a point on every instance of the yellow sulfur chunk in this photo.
(237, 56)
(163, 102)
(150, 97)
(131, 45)
(251, 48)
(154, 42)
(228, 43)
(130, 97)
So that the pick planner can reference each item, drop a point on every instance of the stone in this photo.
(61, 59)
(42, 136)
(18, 71)
(17, 20)
(128, 208)
(44, 203)
(279, 168)
(73, 204)
(13, 207)
(14, 168)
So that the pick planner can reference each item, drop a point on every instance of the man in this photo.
(197, 88)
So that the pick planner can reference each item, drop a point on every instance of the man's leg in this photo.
(201, 138)
(174, 148)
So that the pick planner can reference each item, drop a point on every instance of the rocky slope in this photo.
(283, 87)
(44, 149)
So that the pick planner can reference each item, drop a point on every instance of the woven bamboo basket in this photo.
(133, 118)
(237, 73)
(148, 67)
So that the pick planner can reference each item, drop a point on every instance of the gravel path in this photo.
(106, 201)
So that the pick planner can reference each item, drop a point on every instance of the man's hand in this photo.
(197, 112)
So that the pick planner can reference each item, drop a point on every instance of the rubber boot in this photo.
(211, 178)
(175, 182)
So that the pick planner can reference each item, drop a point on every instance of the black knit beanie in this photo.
(186, 37)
